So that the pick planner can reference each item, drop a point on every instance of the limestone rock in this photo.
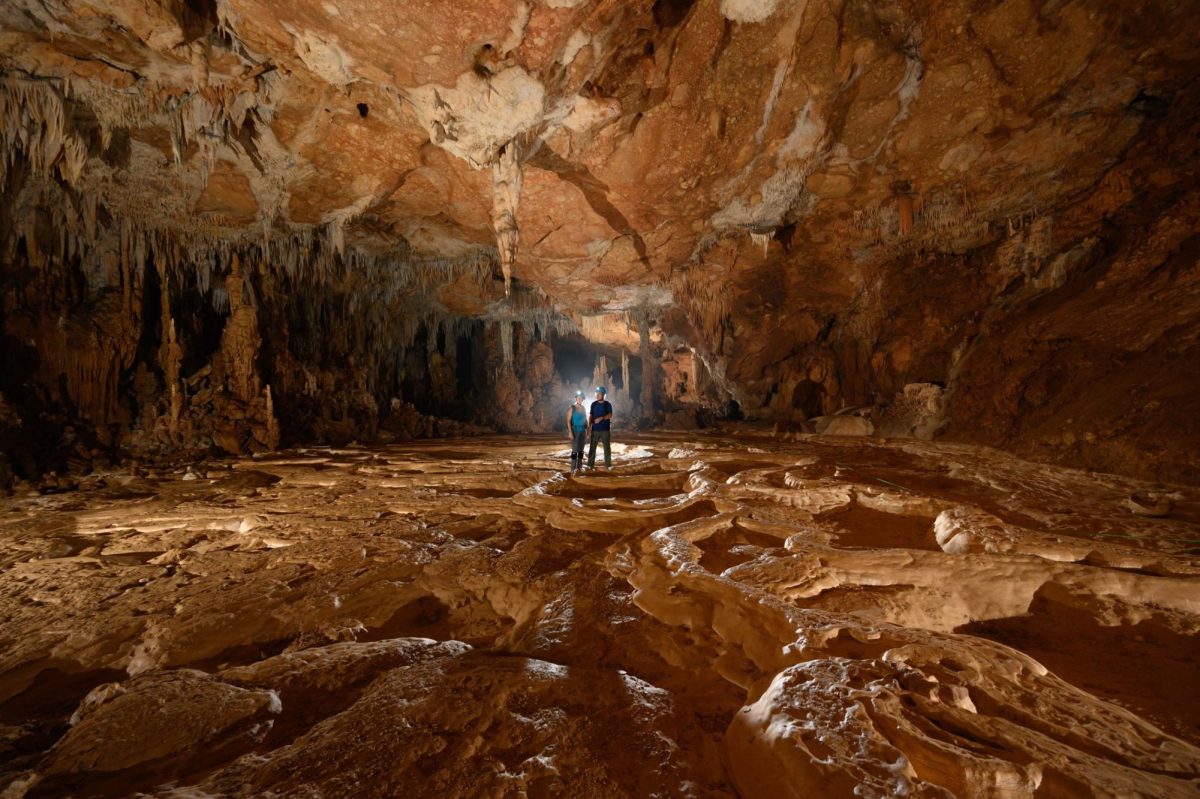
(719, 613)
(306, 198)
(254, 255)
(465, 725)
(917, 411)
(169, 722)
(843, 426)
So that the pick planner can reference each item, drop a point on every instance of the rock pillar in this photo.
(647, 368)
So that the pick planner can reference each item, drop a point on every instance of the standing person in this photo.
(577, 426)
(600, 420)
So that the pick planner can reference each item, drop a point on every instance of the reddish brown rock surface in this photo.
(821, 203)
(233, 226)
(718, 615)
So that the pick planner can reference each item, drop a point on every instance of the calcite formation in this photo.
(252, 252)
(829, 204)
(719, 615)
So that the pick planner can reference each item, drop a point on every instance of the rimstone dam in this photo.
(600, 399)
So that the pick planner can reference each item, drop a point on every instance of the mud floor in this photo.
(715, 616)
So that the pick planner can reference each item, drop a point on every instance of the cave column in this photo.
(626, 392)
(174, 355)
(170, 355)
(647, 367)
(240, 341)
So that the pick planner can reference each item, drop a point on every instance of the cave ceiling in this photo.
(653, 143)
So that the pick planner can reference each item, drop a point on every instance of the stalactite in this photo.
(506, 198)
(762, 239)
(1025, 250)
(337, 235)
(35, 125)
(904, 206)
(945, 218)
(704, 296)
(350, 313)
(74, 159)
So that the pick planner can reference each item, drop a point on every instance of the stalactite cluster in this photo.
(126, 339)
(833, 206)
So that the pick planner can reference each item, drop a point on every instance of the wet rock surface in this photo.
(720, 614)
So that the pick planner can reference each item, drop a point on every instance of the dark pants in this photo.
(605, 436)
(577, 437)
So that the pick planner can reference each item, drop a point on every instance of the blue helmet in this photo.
(578, 393)
(602, 390)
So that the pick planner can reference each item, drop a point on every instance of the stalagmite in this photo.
(600, 373)
(504, 330)
(451, 343)
(272, 441)
(173, 355)
(170, 354)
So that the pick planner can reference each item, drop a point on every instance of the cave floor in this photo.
(716, 615)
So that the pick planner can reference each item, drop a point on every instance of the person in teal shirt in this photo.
(600, 422)
(577, 427)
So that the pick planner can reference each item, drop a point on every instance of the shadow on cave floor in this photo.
(1144, 667)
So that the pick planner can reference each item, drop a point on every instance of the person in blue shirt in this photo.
(599, 421)
(577, 426)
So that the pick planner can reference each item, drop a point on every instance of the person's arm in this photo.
(569, 414)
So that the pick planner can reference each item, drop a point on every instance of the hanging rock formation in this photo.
(506, 200)
(931, 195)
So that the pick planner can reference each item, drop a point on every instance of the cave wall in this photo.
(969, 219)
(1071, 336)
(124, 342)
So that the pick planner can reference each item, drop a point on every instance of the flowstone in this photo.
(717, 615)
